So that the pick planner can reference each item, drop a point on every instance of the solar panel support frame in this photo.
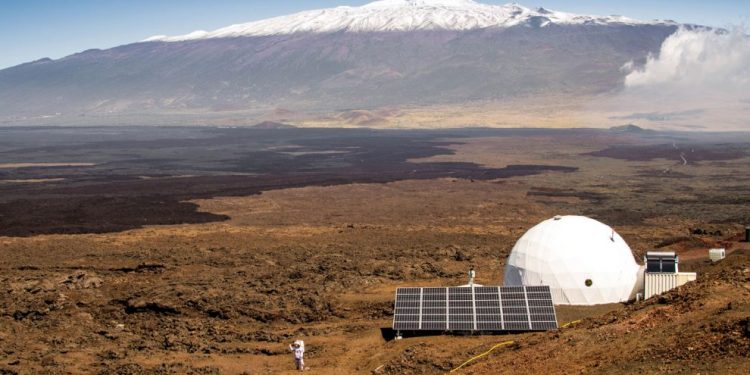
(447, 308)
(421, 298)
(500, 303)
(474, 306)
(526, 302)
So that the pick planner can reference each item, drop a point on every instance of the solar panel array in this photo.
(479, 308)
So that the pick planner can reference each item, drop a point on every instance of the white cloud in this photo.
(703, 76)
(697, 58)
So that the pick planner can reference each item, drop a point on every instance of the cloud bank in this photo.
(697, 59)
(700, 79)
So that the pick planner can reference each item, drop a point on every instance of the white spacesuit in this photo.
(298, 348)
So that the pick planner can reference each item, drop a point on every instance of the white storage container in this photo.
(717, 254)
(658, 283)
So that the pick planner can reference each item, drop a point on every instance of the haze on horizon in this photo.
(35, 29)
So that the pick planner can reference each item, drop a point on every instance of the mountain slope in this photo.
(337, 70)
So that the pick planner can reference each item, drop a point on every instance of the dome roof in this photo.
(583, 261)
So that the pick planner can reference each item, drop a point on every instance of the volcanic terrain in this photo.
(207, 250)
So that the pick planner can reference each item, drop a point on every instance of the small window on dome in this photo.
(589, 282)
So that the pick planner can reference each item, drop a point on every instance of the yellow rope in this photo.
(570, 323)
(483, 354)
(472, 359)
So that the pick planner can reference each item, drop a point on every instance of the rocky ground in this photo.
(322, 263)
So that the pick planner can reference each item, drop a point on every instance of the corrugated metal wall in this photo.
(658, 283)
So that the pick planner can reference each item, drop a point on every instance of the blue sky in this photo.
(33, 29)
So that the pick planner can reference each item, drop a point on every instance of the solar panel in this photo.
(479, 308)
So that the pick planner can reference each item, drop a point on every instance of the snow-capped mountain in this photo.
(405, 15)
(387, 53)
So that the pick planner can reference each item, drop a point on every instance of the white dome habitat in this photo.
(583, 261)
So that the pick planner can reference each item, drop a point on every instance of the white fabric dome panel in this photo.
(583, 261)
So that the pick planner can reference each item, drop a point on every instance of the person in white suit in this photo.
(298, 348)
